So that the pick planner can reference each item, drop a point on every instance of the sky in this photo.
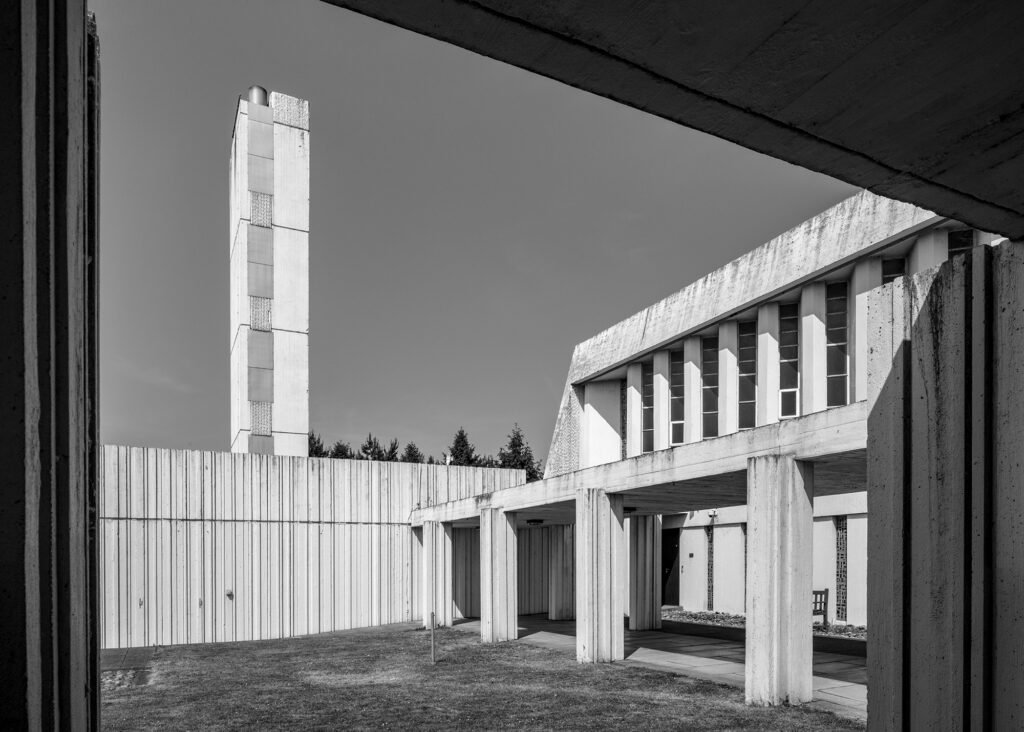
(470, 222)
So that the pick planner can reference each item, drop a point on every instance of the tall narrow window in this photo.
(959, 242)
(893, 268)
(789, 355)
(677, 413)
(709, 384)
(747, 363)
(647, 405)
(836, 348)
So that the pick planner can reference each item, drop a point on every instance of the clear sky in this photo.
(471, 222)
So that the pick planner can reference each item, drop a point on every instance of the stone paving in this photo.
(840, 682)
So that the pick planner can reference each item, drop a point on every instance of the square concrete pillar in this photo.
(728, 377)
(929, 250)
(768, 363)
(662, 399)
(499, 563)
(780, 538)
(600, 577)
(867, 275)
(561, 573)
(813, 379)
(644, 572)
(437, 573)
(693, 426)
(634, 410)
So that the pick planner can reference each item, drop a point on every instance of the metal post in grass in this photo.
(432, 661)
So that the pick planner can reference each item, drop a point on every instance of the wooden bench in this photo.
(820, 605)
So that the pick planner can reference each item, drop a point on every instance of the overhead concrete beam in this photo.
(806, 83)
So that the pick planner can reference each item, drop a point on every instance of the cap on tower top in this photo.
(258, 95)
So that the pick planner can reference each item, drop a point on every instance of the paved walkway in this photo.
(840, 682)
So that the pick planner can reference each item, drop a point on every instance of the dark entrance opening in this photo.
(670, 567)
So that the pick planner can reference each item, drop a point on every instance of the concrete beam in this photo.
(634, 410)
(662, 399)
(644, 572)
(437, 574)
(562, 572)
(767, 364)
(780, 543)
(600, 577)
(867, 275)
(813, 380)
(831, 432)
(499, 614)
(728, 377)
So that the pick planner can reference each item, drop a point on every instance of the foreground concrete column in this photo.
(780, 533)
(662, 399)
(499, 592)
(634, 410)
(768, 364)
(813, 379)
(561, 573)
(728, 377)
(600, 576)
(867, 275)
(644, 572)
(437, 573)
(693, 428)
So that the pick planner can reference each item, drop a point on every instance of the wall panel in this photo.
(205, 546)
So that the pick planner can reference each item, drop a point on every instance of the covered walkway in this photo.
(840, 681)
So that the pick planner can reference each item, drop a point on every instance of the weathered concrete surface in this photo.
(600, 577)
(779, 580)
(807, 83)
(945, 503)
(499, 572)
(49, 77)
(853, 228)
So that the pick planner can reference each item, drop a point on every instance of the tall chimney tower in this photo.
(269, 230)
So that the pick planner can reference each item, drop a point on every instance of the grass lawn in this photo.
(382, 678)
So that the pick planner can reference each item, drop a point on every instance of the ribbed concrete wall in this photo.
(205, 546)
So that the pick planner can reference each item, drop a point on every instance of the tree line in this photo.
(515, 453)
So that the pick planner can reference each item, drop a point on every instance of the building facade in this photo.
(269, 236)
(775, 336)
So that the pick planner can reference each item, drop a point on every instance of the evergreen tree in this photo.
(486, 461)
(391, 454)
(316, 446)
(412, 454)
(342, 451)
(517, 455)
(371, 449)
(461, 451)
(431, 460)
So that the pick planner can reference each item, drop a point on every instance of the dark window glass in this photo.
(647, 406)
(747, 367)
(747, 414)
(959, 242)
(787, 404)
(836, 361)
(892, 268)
(648, 445)
(788, 375)
(709, 385)
(837, 391)
(789, 355)
(748, 388)
(711, 425)
(677, 401)
(677, 433)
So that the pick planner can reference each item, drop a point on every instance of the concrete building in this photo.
(269, 236)
(713, 448)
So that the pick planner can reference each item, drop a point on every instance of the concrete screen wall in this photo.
(204, 546)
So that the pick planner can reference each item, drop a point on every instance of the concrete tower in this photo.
(269, 230)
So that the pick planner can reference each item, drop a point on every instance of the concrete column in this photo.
(600, 576)
(867, 275)
(644, 572)
(780, 531)
(561, 573)
(728, 377)
(437, 573)
(813, 381)
(693, 426)
(634, 411)
(929, 250)
(499, 592)
(662, 398)
(601, 431)
(768, 363)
